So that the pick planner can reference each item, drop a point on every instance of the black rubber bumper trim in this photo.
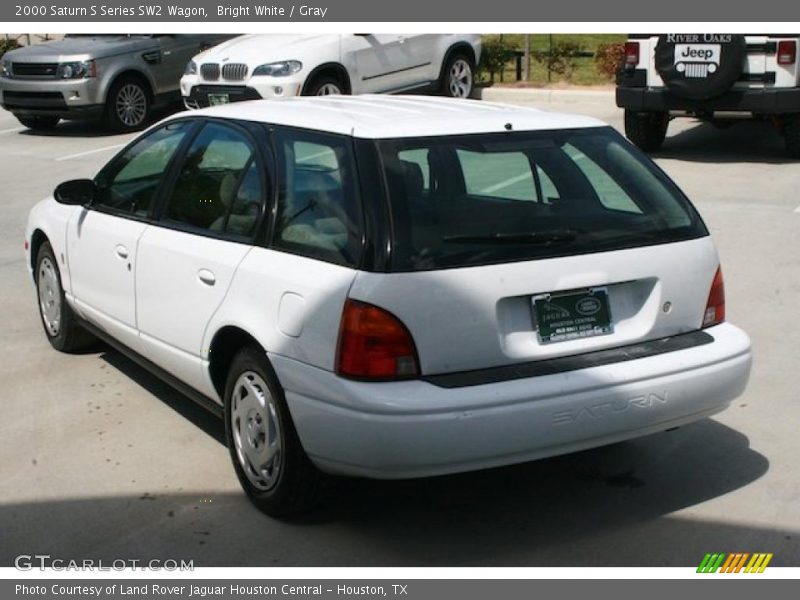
(564, 364)
(769, 101)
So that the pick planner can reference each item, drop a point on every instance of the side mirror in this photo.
(76, 192)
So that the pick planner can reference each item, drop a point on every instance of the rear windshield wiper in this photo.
(555, 236)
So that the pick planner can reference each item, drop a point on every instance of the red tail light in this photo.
(374, 344)
(715, 307)
(631, 54)
(787, 52)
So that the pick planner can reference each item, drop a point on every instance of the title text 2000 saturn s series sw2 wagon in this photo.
(394, 287)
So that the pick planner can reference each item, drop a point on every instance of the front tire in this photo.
(458, 77)
(38, 123)
(267, 456)
(324, 85)
(59, 321)
(647, 130)
(128, 105)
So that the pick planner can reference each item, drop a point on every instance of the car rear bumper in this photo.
(761, 101)
(68, 99)
(416, 428)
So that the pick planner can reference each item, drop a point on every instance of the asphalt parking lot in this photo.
(99, 459)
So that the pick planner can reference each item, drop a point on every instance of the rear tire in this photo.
(647, 130)
(37, 123)
(128, 105)
(59, 321)
(267, 456)
(791, 133)
(458, 77)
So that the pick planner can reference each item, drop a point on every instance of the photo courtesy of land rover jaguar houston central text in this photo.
(394, 287)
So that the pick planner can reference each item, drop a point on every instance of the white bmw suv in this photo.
(394, 287)
(275, 66)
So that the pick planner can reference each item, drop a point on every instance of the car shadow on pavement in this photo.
(196, 414)
(615, 505)
(93, 128)
(747, 141)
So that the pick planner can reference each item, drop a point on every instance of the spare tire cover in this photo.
(700, 66)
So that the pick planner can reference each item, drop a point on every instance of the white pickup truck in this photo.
(709, 76)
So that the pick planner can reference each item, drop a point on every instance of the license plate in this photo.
(215, 99)
(572, 315)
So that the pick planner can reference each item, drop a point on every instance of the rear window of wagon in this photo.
(482, 199)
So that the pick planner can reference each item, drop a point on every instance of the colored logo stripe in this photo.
(734, 563)
(711, 563)
(758, 563)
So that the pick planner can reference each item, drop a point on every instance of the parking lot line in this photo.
(12, 130)
(88, 152)
(797, 210)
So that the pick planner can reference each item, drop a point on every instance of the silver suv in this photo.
(118, 78)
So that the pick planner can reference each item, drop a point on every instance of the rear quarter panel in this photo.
(291, 305)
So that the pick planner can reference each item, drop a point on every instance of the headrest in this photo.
(414, 180)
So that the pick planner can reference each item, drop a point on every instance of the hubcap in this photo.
(329, 89)
(459, 81)
(131, 105)
(256, 430)
(49, 297)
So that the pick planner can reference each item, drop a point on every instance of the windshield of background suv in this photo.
(481, 199)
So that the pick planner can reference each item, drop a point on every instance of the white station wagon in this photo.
(394, 287)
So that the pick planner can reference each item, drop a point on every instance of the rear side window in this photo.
(129, 183)
(481, 199)
(218, 188)
(497, 175)
(318, 213)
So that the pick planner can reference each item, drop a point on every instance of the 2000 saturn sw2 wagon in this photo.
(394, 287)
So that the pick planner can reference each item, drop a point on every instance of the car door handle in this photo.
(122, 251)
(206, 277)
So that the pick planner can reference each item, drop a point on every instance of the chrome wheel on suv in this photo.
(324, 85)
(329, 89)
(128, 105)
(458, 78)
(131, 105)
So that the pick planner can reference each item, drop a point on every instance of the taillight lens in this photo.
(631, 54)
(715, 307)
(787, 52)
(374, 344)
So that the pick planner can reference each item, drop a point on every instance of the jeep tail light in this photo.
(715, 307)
(631, 54)
(374, 345)
(787, 52)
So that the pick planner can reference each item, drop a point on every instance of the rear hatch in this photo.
(510, 248)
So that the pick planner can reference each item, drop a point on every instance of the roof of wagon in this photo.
(381, 116)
